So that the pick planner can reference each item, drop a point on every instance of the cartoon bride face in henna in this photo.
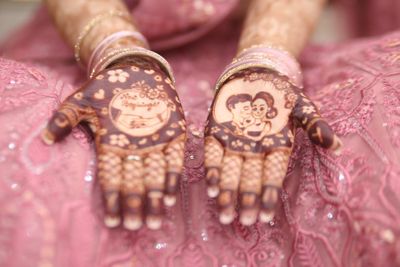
(141, 110)
(263, 111)
(251, 116)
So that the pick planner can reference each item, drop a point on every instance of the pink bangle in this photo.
(264, 57)
(106, 42)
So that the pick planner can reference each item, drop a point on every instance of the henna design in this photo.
(306, 115)
(250, 189)
(174, 156)
(249, 138)
(132, 190)
(275, 166)
(213, 159)
(136, 117)
(229, 184)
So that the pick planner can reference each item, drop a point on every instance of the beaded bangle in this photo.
(91, 24)
(264, 57)
(132, 51)
(106, 42)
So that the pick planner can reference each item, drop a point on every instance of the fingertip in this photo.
(226, 217)
(153, 222)
(266, 216)
(213, 191)
(169, 200)
(132, 223)
(248, 217)
(47, 137)
(337, 146)
(171, 188)
(112, 221)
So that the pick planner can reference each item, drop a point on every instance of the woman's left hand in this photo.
(249, 140)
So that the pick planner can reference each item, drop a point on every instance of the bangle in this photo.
(132, 51)
(106, 42)
(91, 24)
(264, 57)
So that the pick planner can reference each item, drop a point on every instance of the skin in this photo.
(260, 108)
(241, 113)
(259, 111)
(254, 177)
(250, 173)
(139, 161)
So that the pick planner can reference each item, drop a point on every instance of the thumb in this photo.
(62, 122)
(307, 116)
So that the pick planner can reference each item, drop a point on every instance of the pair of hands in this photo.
(134, 112)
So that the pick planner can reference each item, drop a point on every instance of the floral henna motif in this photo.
(135, 115)
(249, 138)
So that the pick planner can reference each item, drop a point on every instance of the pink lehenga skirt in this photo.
(334, 210)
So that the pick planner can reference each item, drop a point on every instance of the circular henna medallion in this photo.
(261, 110)
(141, 110)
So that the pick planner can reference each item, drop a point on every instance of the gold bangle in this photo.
(92, 23)
(132, 51)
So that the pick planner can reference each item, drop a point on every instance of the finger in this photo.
(109, 173)
(275, 167)
(250, 189)
(320, 133)
(132, 190)
(62, 122)
(213, 159)
(229, 184)
(174, 155)
(155, 169)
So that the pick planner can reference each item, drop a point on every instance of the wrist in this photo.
(272, 58)
(131, 55)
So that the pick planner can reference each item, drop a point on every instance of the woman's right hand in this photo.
(136, 117)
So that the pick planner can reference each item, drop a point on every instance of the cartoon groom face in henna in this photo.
(251, 115)
(240, 108)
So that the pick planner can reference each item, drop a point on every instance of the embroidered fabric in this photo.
(335, 211)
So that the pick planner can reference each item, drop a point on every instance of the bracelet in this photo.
(92, 23)
(264, 57)
(286, 63)
(106, 42)
(132, 51)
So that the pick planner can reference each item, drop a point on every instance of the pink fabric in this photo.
(371, 17)
(335, 211)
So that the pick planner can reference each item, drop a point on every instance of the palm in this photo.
(249, 137)
(139, 128)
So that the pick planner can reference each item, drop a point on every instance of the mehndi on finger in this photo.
(320, 133)
(275, 167)
(174, 154)
(213, 161)
(154, 179)
(62, 122)
(132, 192)
(229, 185)
(250, 189)
(109, 173)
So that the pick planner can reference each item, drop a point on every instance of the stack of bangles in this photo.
(267, 57)
(104, 55)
